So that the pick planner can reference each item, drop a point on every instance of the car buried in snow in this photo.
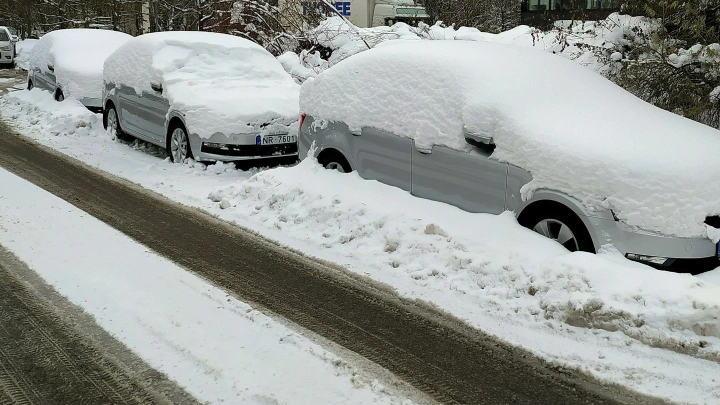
(69, 63)
(489, 128)
(201, 95)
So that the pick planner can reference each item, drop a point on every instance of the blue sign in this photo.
(343, 7)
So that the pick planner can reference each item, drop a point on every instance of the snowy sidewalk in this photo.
(219, 349)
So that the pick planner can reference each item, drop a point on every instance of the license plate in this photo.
(718, 250)
(274, 139)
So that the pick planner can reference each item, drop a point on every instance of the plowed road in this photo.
(441, 357)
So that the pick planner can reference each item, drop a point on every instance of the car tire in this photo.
(109, 116)
(334, 160)
(560, 223)
(30, 84)
(178, 143)
(59, 96)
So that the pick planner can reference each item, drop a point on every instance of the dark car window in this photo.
(4, 36)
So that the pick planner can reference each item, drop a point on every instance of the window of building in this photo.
(599, 4)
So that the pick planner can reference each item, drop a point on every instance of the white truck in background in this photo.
(373, 13)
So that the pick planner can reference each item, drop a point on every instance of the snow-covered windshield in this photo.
(574, 130)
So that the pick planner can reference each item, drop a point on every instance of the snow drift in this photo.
(222, 83)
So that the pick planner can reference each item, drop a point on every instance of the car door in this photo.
(152, 111)
(382, 156)
(125, 104)
(468, 180)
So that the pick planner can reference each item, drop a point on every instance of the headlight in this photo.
(647, 259)
(5, 48)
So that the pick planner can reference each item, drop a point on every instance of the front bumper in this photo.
(238, 148)
(687, 255)
(7, 57)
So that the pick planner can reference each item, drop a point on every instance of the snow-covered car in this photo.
(69, 63)
(7, 48)
(202, 95)
(489, 128)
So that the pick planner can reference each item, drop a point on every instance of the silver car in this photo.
(200, 95)
(474, 182)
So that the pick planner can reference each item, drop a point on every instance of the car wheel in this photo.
(112, 123)
(178, 144)
(560, 224)
(59, 96)
(30, 85)
(334, 160)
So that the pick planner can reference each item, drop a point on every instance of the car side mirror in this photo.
(51, 67)
(156, 87)
(479, 141)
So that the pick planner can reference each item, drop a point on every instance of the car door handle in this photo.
(356, 132)
(424, 151)
(156, 87)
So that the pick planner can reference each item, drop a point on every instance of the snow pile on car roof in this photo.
(77, 56)
(222, 83)
(575, 131)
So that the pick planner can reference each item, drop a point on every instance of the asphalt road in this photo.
(449, 361)
(51, 352)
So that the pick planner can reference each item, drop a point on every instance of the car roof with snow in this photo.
(221, 83)
(574, 130)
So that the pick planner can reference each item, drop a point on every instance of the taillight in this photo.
(302, 119)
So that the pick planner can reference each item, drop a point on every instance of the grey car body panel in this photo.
(468, 180)
(382, 156)
(452, 177)
(147, 116)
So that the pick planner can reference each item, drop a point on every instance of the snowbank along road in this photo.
(451, 362)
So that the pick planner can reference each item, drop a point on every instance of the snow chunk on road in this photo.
(221, 83)
(49, 117)
(77, 56)
(657, 171)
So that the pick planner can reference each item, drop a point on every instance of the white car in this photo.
(7, 48)
(202, 95)
(69, 63)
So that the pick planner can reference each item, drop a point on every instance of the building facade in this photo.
(543, 13)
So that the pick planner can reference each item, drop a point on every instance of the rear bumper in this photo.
(687, 255)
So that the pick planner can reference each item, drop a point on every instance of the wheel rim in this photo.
(335, 166)
(112, 122)
(559, 232)
(178, 145)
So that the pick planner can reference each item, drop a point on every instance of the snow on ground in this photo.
(434, 91)
(77, 56)
(23, 49)
(218, 348)
(221, 83)
(654, 332)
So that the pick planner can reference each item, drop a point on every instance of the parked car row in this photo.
(215, 97)
(200, 95)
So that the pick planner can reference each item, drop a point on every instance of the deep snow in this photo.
(221, 83)
(77, 56)
(23, 49)
(220, 349)
(654, 332)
